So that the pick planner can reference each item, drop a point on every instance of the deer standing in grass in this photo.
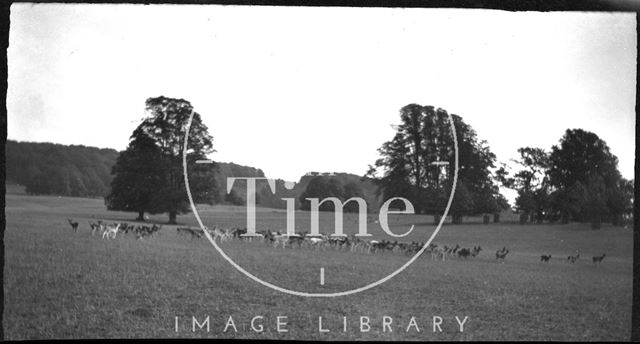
(598, 259)
(111, 231)
(572, 259)
(502, 254)
(74, 225)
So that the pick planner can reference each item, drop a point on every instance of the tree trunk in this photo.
(457, 219)
(496, 217)
(486, 218)
(172, 217)
(565, 218)
(436, 219)
(140, 215)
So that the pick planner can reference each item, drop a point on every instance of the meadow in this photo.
(64, 284)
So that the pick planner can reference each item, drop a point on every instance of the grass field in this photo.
(61, 284)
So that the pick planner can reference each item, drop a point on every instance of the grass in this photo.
(61, 284)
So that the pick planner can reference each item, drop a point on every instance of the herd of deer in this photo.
(322, 241)
(351, 242)
(573, 258)
(111, 230)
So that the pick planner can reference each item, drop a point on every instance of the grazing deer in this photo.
(144, 231)
(415, 246)
(126, 228)
(438, 252)
(502, 254)
(195, 233)
(452, 250)
(316, 242)
(188, 231)
(372, 246)
(296, 240)
(280, 240)
(257, 236)
(572, 259)
(464, 253)
(227, 235)
(215, 233)
(96, 227)
(598, 259)
(363, 246)
(74, 225)
(237, 232)
(111, 231)
(545, 257)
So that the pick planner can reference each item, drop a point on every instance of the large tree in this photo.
(138, 175)
(580, 155)
(165, 125)
(583, 168)
(423, 137)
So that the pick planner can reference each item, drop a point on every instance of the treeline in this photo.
(238, 195)
(577, 180)
(340, 185)
(55, 169)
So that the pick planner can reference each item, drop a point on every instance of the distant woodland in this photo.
(80, 171)
(54, 169)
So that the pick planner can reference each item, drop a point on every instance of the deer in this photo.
(572, 259)
(502, 254)
(74, 225)
(438, 252)
(598, 259)
(111, 231)
(464, 253)
(96, 227)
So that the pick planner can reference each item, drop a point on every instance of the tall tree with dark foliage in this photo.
(583, 169)
(165, 126)
(137, 177)
(423, 137)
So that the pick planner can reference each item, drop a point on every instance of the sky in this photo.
(296, 89)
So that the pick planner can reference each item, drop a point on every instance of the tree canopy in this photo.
(577, 181)
(583, 168)
(163, 133)
(424, 137)
(138, 177)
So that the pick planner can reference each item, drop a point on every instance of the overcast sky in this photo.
(292, 90)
